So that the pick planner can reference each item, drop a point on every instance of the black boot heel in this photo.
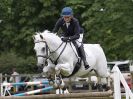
(86, 67)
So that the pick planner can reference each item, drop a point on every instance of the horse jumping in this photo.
(62, 57)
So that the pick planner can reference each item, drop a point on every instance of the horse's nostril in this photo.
(40, 69)
(41, 65)
(46, 63)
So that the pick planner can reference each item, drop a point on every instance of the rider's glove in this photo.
(75, 37)
(65, 39)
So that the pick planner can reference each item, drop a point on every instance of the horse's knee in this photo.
(63, 69)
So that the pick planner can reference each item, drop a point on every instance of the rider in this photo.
(71, 31)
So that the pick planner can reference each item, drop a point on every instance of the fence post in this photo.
(117, 89)
(131, 70)
(132, 81)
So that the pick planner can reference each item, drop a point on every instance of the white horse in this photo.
(62, 56)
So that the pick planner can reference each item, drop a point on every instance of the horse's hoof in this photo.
(108, 88)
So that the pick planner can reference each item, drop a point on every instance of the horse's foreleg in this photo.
(59, 83)
(47, 71)
(64, 69)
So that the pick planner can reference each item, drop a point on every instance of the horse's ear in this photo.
(33, 37)
(41, 36)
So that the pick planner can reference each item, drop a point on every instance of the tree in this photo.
(108, 22)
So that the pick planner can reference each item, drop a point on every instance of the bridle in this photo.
(49, 52)
(46, 49)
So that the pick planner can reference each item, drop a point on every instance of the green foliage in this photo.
(107, 22)
(8, 61)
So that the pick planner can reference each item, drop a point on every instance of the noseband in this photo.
(46, 50)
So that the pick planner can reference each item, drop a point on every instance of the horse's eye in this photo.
(43, 49)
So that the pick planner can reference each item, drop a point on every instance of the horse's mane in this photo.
(49, 35)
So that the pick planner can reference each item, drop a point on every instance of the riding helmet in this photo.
(67, 11)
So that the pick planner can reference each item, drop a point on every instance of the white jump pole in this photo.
(25, 83)
(117, 89)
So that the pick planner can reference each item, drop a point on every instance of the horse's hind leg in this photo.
(103, 73)
(102, 82)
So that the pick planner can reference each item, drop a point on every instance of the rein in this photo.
(56, 61)
(52, 52)
(74, 51)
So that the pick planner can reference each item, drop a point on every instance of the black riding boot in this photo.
(81, 48)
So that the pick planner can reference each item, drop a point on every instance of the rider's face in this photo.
(67, 18)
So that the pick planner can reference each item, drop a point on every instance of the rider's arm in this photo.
(57, 26)
(76, 31)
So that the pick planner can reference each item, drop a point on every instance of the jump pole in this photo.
(34, 91)
(25, 83)
(21, 83)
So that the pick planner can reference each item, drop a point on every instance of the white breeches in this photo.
(79, 41)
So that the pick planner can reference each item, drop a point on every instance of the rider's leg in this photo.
(77, 48)
(82, 53)
(81, 49)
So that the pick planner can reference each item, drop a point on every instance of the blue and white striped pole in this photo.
(34, 91)
(25, 83)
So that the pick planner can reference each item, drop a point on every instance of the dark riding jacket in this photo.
(72, 31)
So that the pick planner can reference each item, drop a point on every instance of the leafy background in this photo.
(107, 22)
